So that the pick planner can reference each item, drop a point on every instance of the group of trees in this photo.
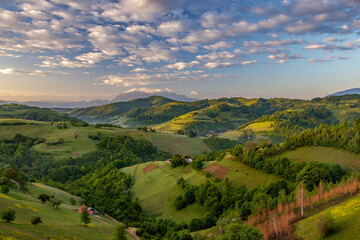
(217, 144)
(145, 129)
(342, 136)
(17, 111)
(310, 173)
(108, 190)
(178, 160)
(218, 199)
(44, 198)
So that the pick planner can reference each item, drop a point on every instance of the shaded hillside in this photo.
(107, 113)
(346, 92)
(285, 116)
(15, 111)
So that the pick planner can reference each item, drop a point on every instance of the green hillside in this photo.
(325, 155)
(16, 111)
(347, 218)
(77, 139)
(62, 223)
(156, 182)
(110, 113)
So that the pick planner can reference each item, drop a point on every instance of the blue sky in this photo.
(90, 49)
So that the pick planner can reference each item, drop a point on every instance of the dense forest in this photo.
(33, 113)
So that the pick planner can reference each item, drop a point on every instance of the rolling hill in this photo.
(114, 112)
(77, 139)
(16, 111)
(61, 223)
(232, 115)
(156, 182)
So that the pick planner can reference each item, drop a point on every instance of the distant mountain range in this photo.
(346, 92)
(128, 96)
(123, 97)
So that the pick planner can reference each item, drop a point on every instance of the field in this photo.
(62, 223)
(156, 189)
(347, 218)
(77, 141)
(324, 155)
(156, 183)
(260, 126)
(243, 174)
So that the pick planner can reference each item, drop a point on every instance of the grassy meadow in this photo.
(347, 218)
(242, 174)
(77, 141)
(325, 155)
(159, 185)
(156, 190)
(62, 223)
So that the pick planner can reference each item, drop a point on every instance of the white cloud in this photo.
(212, 65)
(284, 56)
(84, 60)
(142, 79)
(182, 65)
(248, 62)
(330, 39)
(219, 45)
(12, 71)
(140, 70)
(216, 56)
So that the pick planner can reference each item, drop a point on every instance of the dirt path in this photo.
(130, 230)
(24, 232)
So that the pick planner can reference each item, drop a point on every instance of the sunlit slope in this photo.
(62, 223)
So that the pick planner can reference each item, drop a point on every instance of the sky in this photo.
(97, 49)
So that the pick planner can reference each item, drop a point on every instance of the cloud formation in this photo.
(167, 38)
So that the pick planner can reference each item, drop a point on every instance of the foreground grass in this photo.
(77, 139)
(347, 218)
(62, 223)
(324, 155)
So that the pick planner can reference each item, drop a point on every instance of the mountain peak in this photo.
(135, 94)
(346, 92)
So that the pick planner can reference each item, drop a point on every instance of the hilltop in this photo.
(135, 94)
(16, 111)
(346, 92)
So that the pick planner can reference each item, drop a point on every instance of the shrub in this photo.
(35, 220)
(8, 215)
(72, 201)
(326, 224)
(5, 189)
(179, 203)
(43, 197)
(120, 233)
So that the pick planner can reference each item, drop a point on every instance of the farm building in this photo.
(91, 211)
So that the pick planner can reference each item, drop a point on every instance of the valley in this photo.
(180, 176)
